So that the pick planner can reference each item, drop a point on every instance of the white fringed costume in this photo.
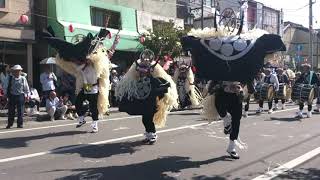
(188, 93)
(127, 89)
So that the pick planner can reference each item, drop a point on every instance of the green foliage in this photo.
(164, 39)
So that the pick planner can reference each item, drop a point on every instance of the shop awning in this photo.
(129, 40)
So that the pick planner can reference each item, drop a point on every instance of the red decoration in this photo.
(166, 65)
(24, 19)
(109, 35)
(71, 29)
(167, 58)
(142, 39)
(194, 69)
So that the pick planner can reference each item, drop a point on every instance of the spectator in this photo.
(5, 71)
(34, 101)
(114, 80)
(68, 86)
(55, 107)
(16, 89)
(122, 75)
(71, 111)
(47, 80)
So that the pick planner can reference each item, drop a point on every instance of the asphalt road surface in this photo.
(279, 146)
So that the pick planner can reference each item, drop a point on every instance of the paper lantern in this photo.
(24, 19)
(71, 29)
(142, 39)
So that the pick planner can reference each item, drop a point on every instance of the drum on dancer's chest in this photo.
(282, 93)
(303, 93)
(264, 91)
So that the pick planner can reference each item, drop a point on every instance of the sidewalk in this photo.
(43, 116)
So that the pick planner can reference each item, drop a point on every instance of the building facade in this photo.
(256, 15)
(17, 35)
(264, 17)
(296, 38)
(192, 9)
(149, 12)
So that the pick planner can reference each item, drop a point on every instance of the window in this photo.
(101, 17)
(4, 5)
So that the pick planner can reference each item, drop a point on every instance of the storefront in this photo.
(16, 48)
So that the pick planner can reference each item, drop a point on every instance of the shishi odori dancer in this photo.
(189, 95)
(147, 90)
(229, 59)
(88, 61)
(248, 91)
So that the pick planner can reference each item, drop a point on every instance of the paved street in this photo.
(188, 148)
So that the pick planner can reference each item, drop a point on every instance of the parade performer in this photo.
(88, 61)
(189, 95)
(247, 94)
(147, 90)
(229, 58)
(317, 109)
(225, 99)
(283, 85)
(307, 80)
(291, 75)
(272, 80)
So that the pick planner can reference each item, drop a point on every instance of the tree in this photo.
(164, 40)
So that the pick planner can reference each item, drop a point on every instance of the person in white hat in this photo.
(16, 89)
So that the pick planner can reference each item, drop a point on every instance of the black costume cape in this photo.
(212, 64)
(159, 87)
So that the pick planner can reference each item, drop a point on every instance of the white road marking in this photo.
(63, 125)
(289, 165)
(72, 124)
(120, 128)
(99, 142)
(94, 143)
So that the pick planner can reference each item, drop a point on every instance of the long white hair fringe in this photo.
(127, 87)
(209, 110)
(195, 95)
(101, 64)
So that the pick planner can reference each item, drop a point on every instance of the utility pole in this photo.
(310, 34)
(202, 9)
(317, 65)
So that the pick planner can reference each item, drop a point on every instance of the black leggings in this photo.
(147, 120)
(93, 100)
(301, 105)
(230, 102)
(269, 104)
(276, 100)
(247, 101)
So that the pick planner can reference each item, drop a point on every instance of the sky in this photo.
(295, 11)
